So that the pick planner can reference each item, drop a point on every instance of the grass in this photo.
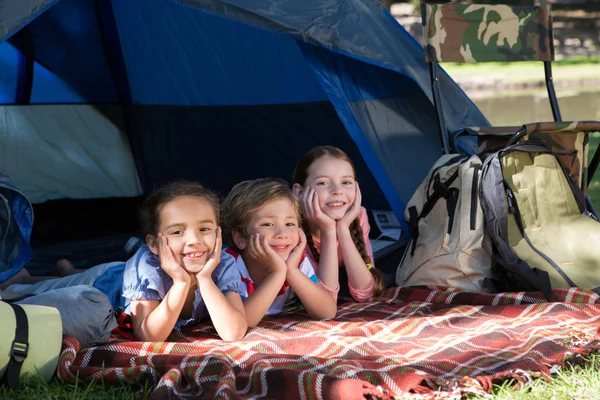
(37, 388)
(576, 66)
(574, 382)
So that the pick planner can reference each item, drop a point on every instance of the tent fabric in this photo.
(69, 66)
(67, 151)
(189, 142)
(16, 14)
(124, 95)
(361, 29)
(209, 60)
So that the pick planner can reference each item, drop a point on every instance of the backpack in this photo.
(449, 245)
(16, 222)
(536, 216)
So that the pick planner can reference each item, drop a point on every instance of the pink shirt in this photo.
(357, 294)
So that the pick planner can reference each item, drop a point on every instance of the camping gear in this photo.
(85, 312)
(16, 219)
(30, 342)
(502, 33)
(449, 245)
(537, 218)
(406, 341)
(483, 33)
(113, 97)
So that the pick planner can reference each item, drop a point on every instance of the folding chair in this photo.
(484, 33)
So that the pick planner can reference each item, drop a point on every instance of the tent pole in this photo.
(437, 102)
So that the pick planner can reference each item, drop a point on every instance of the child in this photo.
(262, 227)
(178, 277)
(335, 223)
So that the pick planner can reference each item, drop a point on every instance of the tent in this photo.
(101, 100)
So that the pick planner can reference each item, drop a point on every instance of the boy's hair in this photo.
(300, 176)
(245, 198)
(153, 205)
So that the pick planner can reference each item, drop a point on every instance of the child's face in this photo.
(334, 183)
(190, 225)
(278, 221)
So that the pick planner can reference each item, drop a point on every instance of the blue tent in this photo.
(104, 99)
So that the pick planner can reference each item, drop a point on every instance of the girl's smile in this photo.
(334, 183)
(189, 223)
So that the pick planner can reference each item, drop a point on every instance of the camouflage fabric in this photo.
(482, 33)
(569, 141)
(493, 130)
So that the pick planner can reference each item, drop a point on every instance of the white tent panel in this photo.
(67, 151)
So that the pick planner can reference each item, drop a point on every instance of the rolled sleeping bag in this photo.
(31, 348)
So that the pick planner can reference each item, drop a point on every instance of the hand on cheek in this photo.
(168, 262)
(259, 250)
(313, 212)
(353, 212)
(213, 259)
(293, 260)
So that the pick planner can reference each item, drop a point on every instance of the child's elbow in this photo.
(331, 312)
(235, 334)
(324, 313)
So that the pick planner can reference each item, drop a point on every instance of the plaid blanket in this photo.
(419, 342)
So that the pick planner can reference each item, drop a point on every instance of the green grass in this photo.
(567, 384)
(36, 388)
(572, 67)
(574, 382)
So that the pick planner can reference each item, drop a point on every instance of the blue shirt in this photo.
(144, 278)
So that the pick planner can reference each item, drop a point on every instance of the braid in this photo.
(357, 237)
(357, 234)
(309, 241)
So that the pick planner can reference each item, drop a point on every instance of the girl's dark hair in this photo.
(153, 205)
(245, 198)
(300, 176)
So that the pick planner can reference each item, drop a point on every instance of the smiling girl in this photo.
(178, 277)
(181, 275)
(335, 223)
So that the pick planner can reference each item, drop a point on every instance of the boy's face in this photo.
(190, 225)
(277, 220)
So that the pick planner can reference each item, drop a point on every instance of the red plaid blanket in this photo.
(429, 342)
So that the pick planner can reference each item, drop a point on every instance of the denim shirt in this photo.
(144, 278)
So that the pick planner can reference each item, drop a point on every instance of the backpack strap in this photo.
(19, 348)
(439, 189)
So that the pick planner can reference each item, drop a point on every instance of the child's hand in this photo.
(213, 260)
(312, 211)
(263, 253)
(168, 262)
(295, 256)
(353, 212)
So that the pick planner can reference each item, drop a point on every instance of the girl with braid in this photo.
(336, 225)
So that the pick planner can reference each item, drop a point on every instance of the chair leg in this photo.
(551, 92)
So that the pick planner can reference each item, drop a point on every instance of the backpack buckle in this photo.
(19, 351)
